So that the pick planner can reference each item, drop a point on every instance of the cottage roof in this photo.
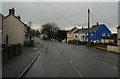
(1, 15)
(94, 28)
(12, 13)
(17, 19)
(118, 27)
(72, 30)
(84, 30)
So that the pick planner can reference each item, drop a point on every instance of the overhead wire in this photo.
(66, 17)
(99, 18)
(94, 17)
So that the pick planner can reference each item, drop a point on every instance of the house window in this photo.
(83, 36)
(87, 34)
(103, 34)
(76, 36)
(91, 34)
(108, 34)
(90, 39)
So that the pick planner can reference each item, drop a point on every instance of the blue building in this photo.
(98, 32)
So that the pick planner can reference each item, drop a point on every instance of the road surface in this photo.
(68, 60)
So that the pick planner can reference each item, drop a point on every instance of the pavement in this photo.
(15, 66)
(68, 60)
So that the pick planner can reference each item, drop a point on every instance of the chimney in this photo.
(75, 27)
(12, 11)
(97, 23)
(82, 27)
(18, 17)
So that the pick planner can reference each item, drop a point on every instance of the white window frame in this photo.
(103, 34)
(108, 34)
(91, 34)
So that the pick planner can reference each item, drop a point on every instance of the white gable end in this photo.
(14, 29)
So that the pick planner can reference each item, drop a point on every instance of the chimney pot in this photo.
(82, 27)
(97, 23)
(12, 11)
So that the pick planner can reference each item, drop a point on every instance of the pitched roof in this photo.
(72, 30)
(84, 30)
(118, 27)
(94, 28)
(17, 19)
(1, 15)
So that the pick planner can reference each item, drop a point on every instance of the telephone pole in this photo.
(88, 25)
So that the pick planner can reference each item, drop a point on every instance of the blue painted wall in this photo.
(96, 36)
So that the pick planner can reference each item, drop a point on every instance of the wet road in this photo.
(68, 60)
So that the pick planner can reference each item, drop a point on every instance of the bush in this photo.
(44, 38)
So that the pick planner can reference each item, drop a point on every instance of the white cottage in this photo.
(80, 34)
(13, 29)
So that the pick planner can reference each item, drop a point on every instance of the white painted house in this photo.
(13, 29)
(80, 34)
(70, 34)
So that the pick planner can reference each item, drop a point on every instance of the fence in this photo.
(98, 45)
(113, 49)
(8, 51)
(105, 46)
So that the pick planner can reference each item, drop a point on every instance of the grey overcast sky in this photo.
(65, 14)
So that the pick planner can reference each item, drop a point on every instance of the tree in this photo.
(51, 30)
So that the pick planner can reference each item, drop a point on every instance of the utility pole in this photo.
(30, 37)
(88, 25)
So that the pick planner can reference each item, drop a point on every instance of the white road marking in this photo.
(73, 65)
(76, 69)
(115, 67)
(112, 66)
